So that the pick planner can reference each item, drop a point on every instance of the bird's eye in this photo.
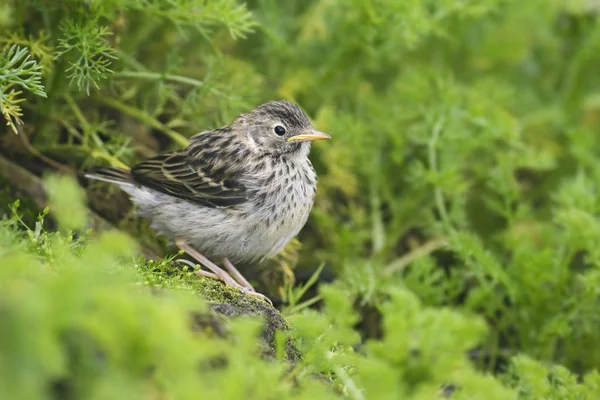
(279, 130)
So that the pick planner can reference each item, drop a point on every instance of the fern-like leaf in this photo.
(18, 69)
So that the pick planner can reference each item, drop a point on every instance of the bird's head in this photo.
(277, 127)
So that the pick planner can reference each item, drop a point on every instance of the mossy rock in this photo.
(229, 303)
(224, 302)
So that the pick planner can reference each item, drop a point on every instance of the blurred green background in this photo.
(457, 213)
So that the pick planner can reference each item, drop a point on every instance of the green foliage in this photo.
(17, 70)
(535, 381)
(457, 205)
(92, 52)
(80, 321)
(68, 194)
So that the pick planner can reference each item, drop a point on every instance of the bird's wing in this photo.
(202, 173)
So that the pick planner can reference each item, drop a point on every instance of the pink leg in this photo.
(233, 271)
(217, 273)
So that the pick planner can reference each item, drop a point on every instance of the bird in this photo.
(238, 193)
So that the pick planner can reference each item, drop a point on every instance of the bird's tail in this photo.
(110, 174)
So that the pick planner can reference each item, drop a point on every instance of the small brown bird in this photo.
(239, 193)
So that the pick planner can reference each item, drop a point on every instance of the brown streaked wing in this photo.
(196, 179)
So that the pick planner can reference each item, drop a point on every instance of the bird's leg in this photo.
(237, 274)
(217, 273)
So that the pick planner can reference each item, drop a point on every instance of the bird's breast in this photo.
(282, 204)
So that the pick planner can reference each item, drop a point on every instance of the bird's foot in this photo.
(218, 273)
(237, 275)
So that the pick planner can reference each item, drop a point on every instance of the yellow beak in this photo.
(312, 135)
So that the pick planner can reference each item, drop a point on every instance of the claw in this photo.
(257, 294)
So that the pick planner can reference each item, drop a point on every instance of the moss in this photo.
(223, 301)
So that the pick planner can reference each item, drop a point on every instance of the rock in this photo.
(228, 303)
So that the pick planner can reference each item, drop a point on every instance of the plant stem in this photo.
(353, 390)
(33, 150)
(77, 111)
(432, 156)
(98, 154)
(377, 229)
(106, 156)
(404, 261)
(144, 117)
(157, 76)
(87, 127)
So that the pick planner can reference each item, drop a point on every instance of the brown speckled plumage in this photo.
(242, 191)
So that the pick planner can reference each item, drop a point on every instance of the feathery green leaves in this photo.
(18, 72)
(88, 53)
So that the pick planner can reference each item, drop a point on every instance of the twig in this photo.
(41, 156)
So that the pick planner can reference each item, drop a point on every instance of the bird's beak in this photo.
(310, 135)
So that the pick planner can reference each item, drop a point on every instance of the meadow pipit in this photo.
(239, 193)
